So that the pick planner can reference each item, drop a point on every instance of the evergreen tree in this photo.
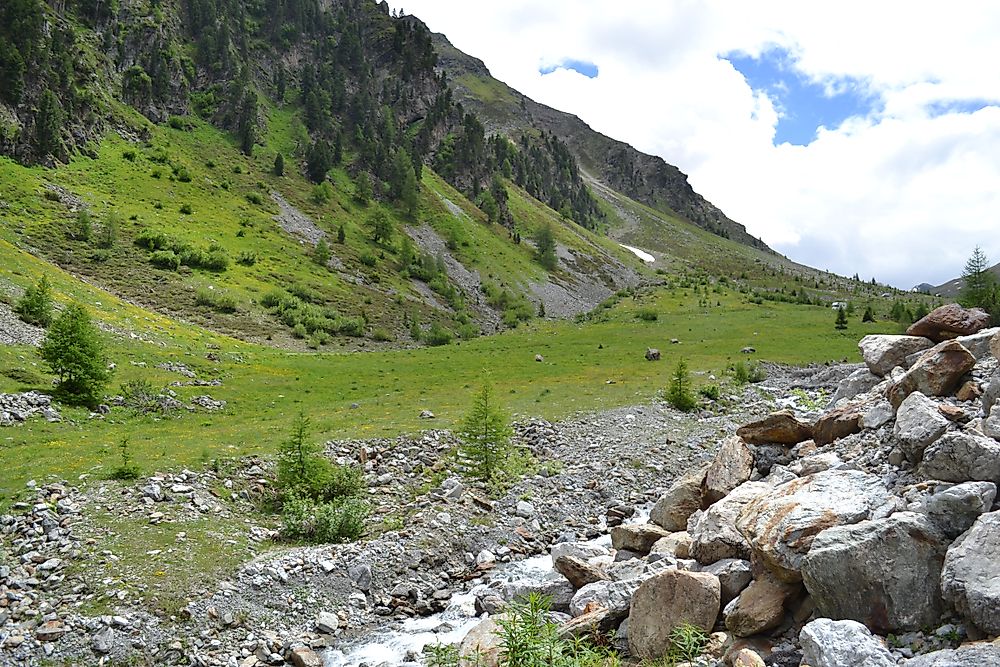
(381, 226)
(318, 161)
(363, 188)
(341, 235)
(979, 285)
(73, 350)
(869, 315)
(485, 434)
(841, 322)
(279, 165)
(300, 462)
(545, 247)
(321, 254)
(679, 392)
(48, 124)
(35, 307)
(109, 231)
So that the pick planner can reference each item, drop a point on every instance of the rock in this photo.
(969, 391)
(485, 558)
(665, 601)
(950, 321)
(539, 358)
(747, 658)
(426, 414)
(781, 525)
(50, 631)
(637, 537)
(979, 343)
(482, 644)
(992, 390)
(652, 354)
(918, 424)
(615, 596)
(581, 550)
(103, 641)
(748, 350)
(732, 466)
(578, 572)
(760, 607)
(968, 655)
(935, 373)
(681, 500)
(954, 509)
(877, 414)
(893, 566)
(991, 426)
(713, 531)
(676, 544)
(858, 382)
(597, 622)
(828, 643)
(970, 580)
(327, 623)
(962, 456)
(524, 509)
(838, 423)
(361, 575)
(777, 428)
(734, 575)
(882, 353)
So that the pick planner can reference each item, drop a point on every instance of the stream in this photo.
(405, 644)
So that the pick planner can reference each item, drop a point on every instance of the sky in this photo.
(857, 137)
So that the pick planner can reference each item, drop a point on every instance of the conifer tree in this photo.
(321, 254)
(279, 165)
(486, 435)
(73, 350)
(35, 307)
(841, 321)
(679, 392)
(545, 247)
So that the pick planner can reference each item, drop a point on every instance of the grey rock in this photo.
(103, 641)
(918, 424)
(681, 500)
(327, 623)
(361, 575)
(664, 602)
(713, 531)
(893, 566)
(877, 414)
(615, 596)
(970, 580)
(734, 575)
(935, 373)
(962, 456)
(954, 508)
(732, 465)
(882, 353)
(829, 643)
(578, 572)
(858, 382)
(524, 509)
(637, 537)
(581, 550)
(968, 655)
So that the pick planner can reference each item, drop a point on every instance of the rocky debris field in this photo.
(20, 407)
(794, 528)
(15, 332)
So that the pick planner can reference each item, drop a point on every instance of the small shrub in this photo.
(747, 372)
(711, 392)
(165, 259)
(186, 209)
(368, 259)
(179, 123)
(299, 331)
(647, 314)
(246, 258)
(35, 307)
(82, 225)
(437, 335)
(218, 300)
(152, 240)
(322, 193)
(679, 392)
(182, 174)
(255, 198)
(126, 470)
(381, 335)
(129, 154)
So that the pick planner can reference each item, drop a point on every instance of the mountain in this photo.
(326, 173)
(953, 287)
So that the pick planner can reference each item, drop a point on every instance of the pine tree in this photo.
(979, 288)
(73, 350)
(279, 165)
(321, 253)
(545, 247)
(381, 226)
(48, 124)
(486, 433)
(679, 392)
(300, 462)
(869, 315)
(841, 322)
(363, 188)
(109, 231)
(35, 307)
(341, 235)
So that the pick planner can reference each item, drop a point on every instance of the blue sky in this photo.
(803, 104)
(588, 69)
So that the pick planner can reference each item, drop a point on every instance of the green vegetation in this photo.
(73, 350)
(485, 434)
(841, 322)
(979, 286)
(679, 393)
(545, 247)
(35, 307)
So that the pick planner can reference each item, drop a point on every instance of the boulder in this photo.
(876, 414)
(980, 654)
(652, 354)
(838, 423)
(597, 622)
(954, 508)
(979, 343)
(950, 321)
(637, 537)
(676, 544)
(581, 550)
(918, 424)
(961, 456)
(681, 500)
(882, 353)
(664, 602)
(760, 607)
(780, 526)
(713, 531)
(732, 466)
(781, 428)
(327, 623)
(578, 572)
(747, 658)
(970, 580)
(893, 566)
(992, 390)
(828, 643)
(615, 596)
(303, 656)
(483, 643)
(858, 382)
(935, 373)
(734, 575)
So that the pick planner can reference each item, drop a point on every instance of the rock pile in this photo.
(19, 408)
(809, 540)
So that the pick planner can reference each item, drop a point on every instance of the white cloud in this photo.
(902, 195)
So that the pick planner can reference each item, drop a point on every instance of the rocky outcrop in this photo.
(18, 408)
(949, 321)
(970, 580)
(681, 500)
(828, 643)
(780, 526)
(731, 467)
(781, 428)
(664, 602)
(891, 568)
(882, 353)
(935, 373)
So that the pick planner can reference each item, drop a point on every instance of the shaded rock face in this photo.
(780, 428)
(935, 373)
(713, 531)
(970, 655)
(780, 526)
(734, 575)
(953, 509)
(970, 580)
(838, 423)
(883, 573)
(731, 466)
(882, 353)
(918, 424)
(962, 456)
(858, 382)
(760, 607)
(681, 500)
(949, 321)
(828, 643)
(578, 572)
(637, 537)
(665, 601)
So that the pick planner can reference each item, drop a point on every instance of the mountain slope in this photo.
(645, 178)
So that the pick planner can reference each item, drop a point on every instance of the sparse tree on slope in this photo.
(73, 349)
(486, 434)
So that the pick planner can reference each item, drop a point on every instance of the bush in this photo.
(35, 307)
(139, 395)
(165, 259)
(246, 258)
(151, 240)
(255, 198)
(127, 470)
(186, 209)
(82, 225)
(744, 372)
(109, 231)
(437, 335)
(711, 392)
(218, 300)
(679, 392)
(647, 314)
(381, 335)
(74, 351)
(337, 521)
